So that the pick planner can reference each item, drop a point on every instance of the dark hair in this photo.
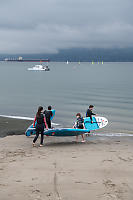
(49, 107)
(40, 108)
(78, 114)
(91, 106)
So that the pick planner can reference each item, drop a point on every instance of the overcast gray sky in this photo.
(44, 26)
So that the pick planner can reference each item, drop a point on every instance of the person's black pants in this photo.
(48, 121)
(39, 131)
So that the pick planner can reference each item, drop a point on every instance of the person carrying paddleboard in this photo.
(89, 112)
(40, 125)
(80, 125)
(48, 114)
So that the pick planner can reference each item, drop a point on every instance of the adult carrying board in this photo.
(32, 130)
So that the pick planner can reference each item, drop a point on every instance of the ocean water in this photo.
(70, 88)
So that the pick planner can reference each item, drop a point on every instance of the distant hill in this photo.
(82, 54)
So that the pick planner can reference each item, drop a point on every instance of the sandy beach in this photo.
(102, 168)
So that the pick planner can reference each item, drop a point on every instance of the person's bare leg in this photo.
(83, 139)
(76, 138)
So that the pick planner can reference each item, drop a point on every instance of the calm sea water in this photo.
(70, 89)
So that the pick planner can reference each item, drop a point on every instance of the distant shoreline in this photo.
(80, 54)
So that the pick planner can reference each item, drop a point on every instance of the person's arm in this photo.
(74, 126)
(91, 120)
(45, 123)
(83, 125)
(91, 116)
(34, 122)
(87, 115)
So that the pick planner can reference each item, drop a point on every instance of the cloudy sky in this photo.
(44, 26)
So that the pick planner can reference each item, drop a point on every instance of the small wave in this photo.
(113, 134)
(24, 118)
(17, 117)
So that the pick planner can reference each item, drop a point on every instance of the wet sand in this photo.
(13, 126)
(101, 168)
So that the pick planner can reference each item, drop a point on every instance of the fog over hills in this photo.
(82, 55)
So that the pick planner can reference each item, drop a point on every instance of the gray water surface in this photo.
(70, 89)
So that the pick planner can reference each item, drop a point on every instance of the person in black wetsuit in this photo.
(89, 112)
(40, 125)
(80, 125)
(48, 115)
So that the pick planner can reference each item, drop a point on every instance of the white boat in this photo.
(39, 68)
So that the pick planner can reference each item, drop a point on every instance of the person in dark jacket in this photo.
(80, 125)
(40, 125)
(89, 112)
(48, 115)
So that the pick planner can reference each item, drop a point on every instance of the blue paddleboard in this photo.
(98, 122)
(62, 132)
(53, 114)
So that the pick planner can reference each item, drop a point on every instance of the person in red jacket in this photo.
(40, 125)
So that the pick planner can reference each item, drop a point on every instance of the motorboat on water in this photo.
(39, 68)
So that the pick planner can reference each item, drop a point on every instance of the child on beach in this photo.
(40, 125)
(89, 112)
(80, 125)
